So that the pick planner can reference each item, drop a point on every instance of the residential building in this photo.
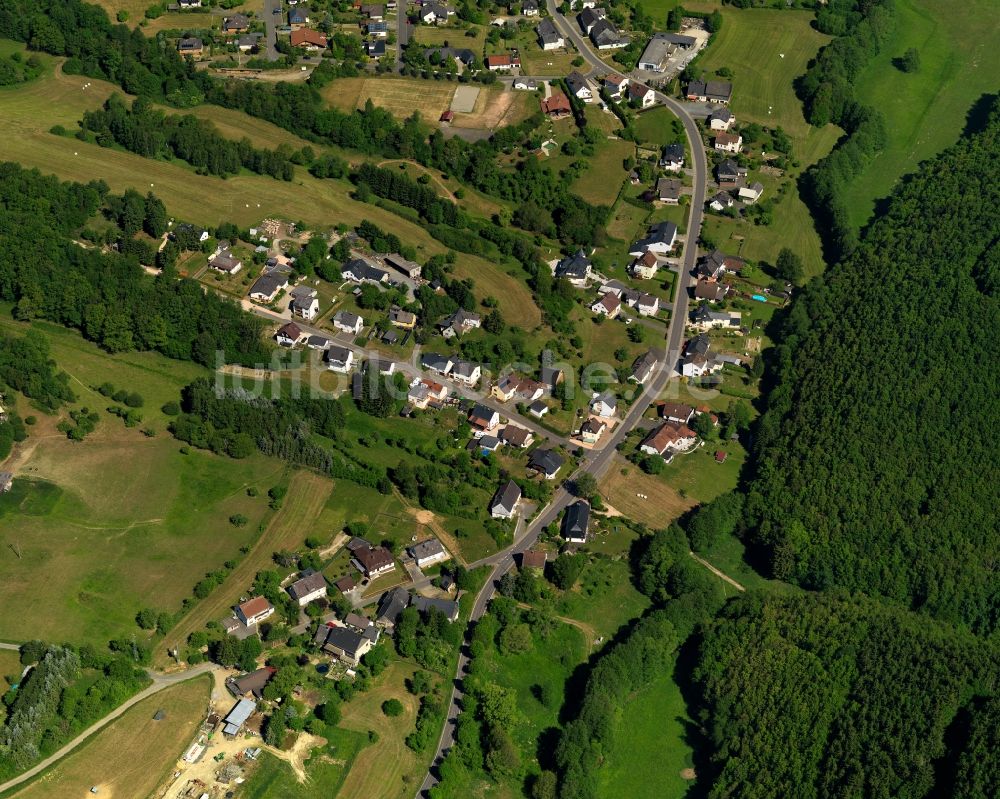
(525, 84)
(428, 552)
(592, 430)
(372, 561)
(645, 266)
(308, 588)
(660, 47)
(668, 436)
(575, 268)
(346, 644)
(605, 36)
(529, 8)
(266, 288)
(614, 84)
(466, 372)
(442, 364)
(710, 290)
(729, 173)
(462, 55)
(557, 106)
(641, 95)
(538, 409)
(247, 43)
(717, 263)
(289, 335)
(338, 359)
(721, 201)
(514, 436)
(660, 239)
(460, 323)
(237, 23)
(643, 367)
(589, 17)
(549, 37)
(309, 39)
(728, 142)
(375, 49)
(298, 18)
(348, 322)
(317, 342)
(668, 190)
(483, 419)
(673, 157)
(551, 376)
(606, 305)
(447, 607)
(546, 462)
(750, 194)
(233, 723)
(579, 87)
(604, 405)
(676, 412)
(534, 559)
(406, 320)
(304, 307)
(434, 14)
(699, 360)
(373, 11)
(647, 304)
(191, 46)
(705, 319)
(390, 605)
(720, 119)
(254, 611)
(712, 91)
(505, 500)
(360, 271)
(576, 522)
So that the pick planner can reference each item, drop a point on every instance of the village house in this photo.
(534, 559)
(266, 288)
(466, 372)
(592, 430)
(254, 611)
(710, 290)
(699, 359)
(529, 8)
(344, 643)
(641, 95)
(338, 359)
(669, 436)
(237, 23)
(372, 561)
(712, 91)
(589, 17)
(728, 142)
(435, 14)
(646, 304)
(721, 201)
(538, 409)
(750, 194)
(442, 364)
(645, 266)
(317, 342)
(720, 119)
(546, 462)
(460, 323)
(191, 46)
(606, 305)
(526, 84)
(604, 405)
(673, 157)
(704, 319)
(289, 335)
(660, 239)
(428, 552)
(668, 190)
(483, 419)
(308, 588)
(348, 322)
(557, 106)
(517, 387)
(575, 269)
(676, 412)
(375, 49)
(519, 437)
(576, 522)
(373, 11)
(247, 43)
(360, 271)
(505, 501)
(308, 39)
(730, 174)
(605, 36)
(298, 18)
(643, 367)
(717, 263)
(614, 84)
(304, 304)
(549, 37)
(406, 320)
(579, 87)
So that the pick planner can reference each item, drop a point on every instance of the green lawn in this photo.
(658, 126)
(649, 739)
(959, 46)
(601, 182)
(604, 597)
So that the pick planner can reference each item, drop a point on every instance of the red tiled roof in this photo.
(308, 36)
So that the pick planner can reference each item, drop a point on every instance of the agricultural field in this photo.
(925, 111)
(621, 489)
(399, 96)
(652, 729)
(132, 755)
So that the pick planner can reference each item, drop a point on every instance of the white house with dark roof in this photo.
(505, 500)
(428, 552)
(604, 405)
(348, 322)
(575, 268)
(579, 87)
(289, 335)
(308, 588)
(660, 239)
(338, 359)
(549, 37)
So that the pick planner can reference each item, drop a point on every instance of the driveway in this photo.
(271, 22)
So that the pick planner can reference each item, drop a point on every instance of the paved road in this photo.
(403, 30)
(271, 23)
(596, 461)
(160, 681)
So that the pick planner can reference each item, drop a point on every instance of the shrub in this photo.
(392, 707)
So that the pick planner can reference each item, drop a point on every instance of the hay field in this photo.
(131, 756)
(400, 96)
(664, 505)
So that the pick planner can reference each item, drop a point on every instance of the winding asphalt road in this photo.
(160, 681)
(596, 462)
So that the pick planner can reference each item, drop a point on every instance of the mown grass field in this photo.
(959, 46)
(132, 755)
(649, 739)
(10, 667)
(603, 178)
(31, 110)
(119, 521)
(399, 96)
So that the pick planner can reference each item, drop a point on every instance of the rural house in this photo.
(643, 367)
(720, 119)
(676, 412)
(575, 269)
(546, 462)
(289, 335)
(576, 522)
(505, 500)
(252, 683)
(254, 611)
(266, 288)
(592, 430)
(372, 561)
(668, 190)
(579, 88)
(338, 359)
(348, 322)
(345, 644)
(673, 157)
(712, 91)
(669, 436)
(428, 552)
(548, 37)
(308, 588)
(514, 436)
(728, 142)
(660, 239)
(604, 405)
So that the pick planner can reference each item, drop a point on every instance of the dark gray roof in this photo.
(335, 354)
(447, 606)
(307, 585)
(699, 345)
(431, 360)
(268, 284)
(589, 16)
(576, 522)
(427, 548)
(546, 460)
(463, 54)
(575, 81)
(576, 266)
(363, 270)
(673, 152)
(392, 604)
(507, 496)
(644, 363)
(345, 639)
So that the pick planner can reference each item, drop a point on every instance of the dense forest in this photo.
(876, 470)
(835, 697)
(106, 295)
